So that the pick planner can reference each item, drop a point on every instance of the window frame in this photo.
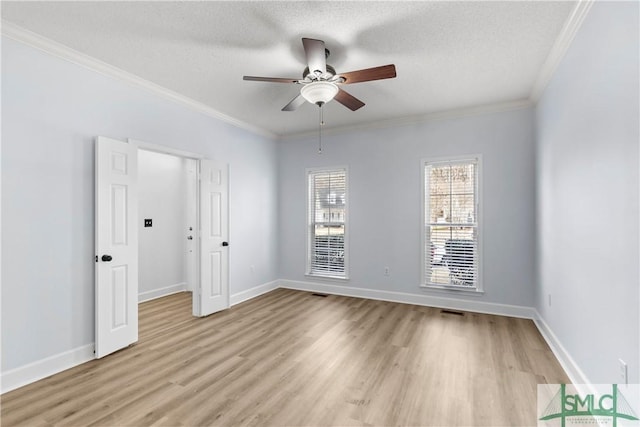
(424, 263)
(308, 173)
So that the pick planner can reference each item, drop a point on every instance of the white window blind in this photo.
(451, 224)
(327, 223)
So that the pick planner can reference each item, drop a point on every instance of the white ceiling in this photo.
(448, 55)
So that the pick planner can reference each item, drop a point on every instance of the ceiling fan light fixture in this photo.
(320, 80)
(319, 92)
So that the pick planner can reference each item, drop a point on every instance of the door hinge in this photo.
(96, 258)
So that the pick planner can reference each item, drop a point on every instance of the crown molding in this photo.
(59, 50)
(560, 47)
(419, 119)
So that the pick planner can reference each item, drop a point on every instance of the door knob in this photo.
(106, 258)
(225, 243)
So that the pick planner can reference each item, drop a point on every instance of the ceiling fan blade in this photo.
(368, 74)
(295, 103)
(270, 79)
(348, 100)
(316, 59)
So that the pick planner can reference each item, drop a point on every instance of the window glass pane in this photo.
(463, 208)
(439, 179)
(440, 208)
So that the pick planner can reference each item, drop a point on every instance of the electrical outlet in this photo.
(623, 377)
(549, 300)
(253, 268)
(386, 271)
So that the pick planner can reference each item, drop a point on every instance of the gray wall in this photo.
(385, 201)
(588, 132)
(51, 112)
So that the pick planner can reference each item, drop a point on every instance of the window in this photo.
(326, 235)
(451, 224)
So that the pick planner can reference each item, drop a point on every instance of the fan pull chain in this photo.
(320, 130)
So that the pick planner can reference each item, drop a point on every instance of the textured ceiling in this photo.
(448, 55)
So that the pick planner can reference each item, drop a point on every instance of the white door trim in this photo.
(163, 149)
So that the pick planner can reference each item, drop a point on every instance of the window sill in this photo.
(448, 289)
(331, 278)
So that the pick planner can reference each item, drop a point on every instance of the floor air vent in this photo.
(320, 295)
(457, 313)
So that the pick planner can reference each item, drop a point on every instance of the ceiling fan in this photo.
(320, 82)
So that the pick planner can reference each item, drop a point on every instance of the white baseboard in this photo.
(426, 300)
(239, 297)
(162, 292)
(40, 369)
(566, 361)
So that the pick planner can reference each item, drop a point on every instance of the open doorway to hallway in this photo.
(167, 218)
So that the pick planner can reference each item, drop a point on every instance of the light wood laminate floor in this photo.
(291, 358)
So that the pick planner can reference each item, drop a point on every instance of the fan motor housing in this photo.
(330, 70)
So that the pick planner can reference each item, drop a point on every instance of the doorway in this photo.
(167, 206)
(117, 225)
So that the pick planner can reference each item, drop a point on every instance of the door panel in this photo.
(215, 216)
(119, 289)
(119, 215)
(116, 285)
(216, 268)
(214, 286)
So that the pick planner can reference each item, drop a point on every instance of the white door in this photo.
(116, 284)
(213, 292)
